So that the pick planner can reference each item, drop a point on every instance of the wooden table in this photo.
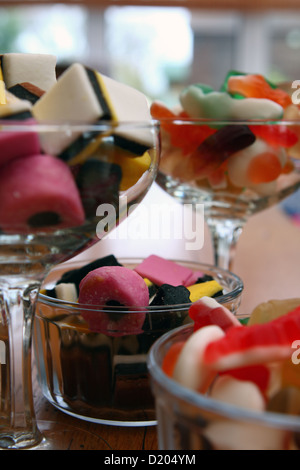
(267, 259)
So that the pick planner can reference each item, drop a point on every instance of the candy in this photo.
(85, 94)
(114, 285)
(76, 275)
(259, 374)
(220, 105)
(190, 370)
(47, 199)
(98, 183)
(255, 344)
(163, 271)
(207, 311)
(38, 69)
(185, 136)
(267, 311)
(231, 390)
(171, 295)
(18, 144)
(217, 148)
(275, 135)
(14, 108)
(209, 288)
(256, 86)
(256, 164)
(171, 357)
(27, 91)
(67, 292)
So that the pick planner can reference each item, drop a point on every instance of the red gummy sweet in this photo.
(186, 136)
(207, 311)
(259, 374)
(256, 86)
(114, 285)
(276, 135)
(255, 344)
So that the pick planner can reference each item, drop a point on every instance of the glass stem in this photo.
(18, 428)
(225, 235)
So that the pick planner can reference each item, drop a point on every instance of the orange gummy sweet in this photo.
(171, 357)
(183, 135)
(264, 168)
(256, 86)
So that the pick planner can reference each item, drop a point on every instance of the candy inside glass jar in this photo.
(234, 387)
(92, 360)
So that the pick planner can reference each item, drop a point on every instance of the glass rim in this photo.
(63, 125)
(209, 404)
(223, 122)
(228, 297)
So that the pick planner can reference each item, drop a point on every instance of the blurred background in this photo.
(159, 49)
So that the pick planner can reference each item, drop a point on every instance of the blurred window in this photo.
(158, 49)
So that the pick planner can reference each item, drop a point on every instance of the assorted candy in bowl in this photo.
(224, 384)
(96, 321)
(234, 150)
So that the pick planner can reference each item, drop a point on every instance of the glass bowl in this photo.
(103, 377)
(192, 421)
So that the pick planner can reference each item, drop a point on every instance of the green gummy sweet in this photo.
(221, 106)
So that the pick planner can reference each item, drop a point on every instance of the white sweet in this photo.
(74, 99)
(66, 291)
(38, 69)
(189, 369)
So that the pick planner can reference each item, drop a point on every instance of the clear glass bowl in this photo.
(103, 377)
(191, 421)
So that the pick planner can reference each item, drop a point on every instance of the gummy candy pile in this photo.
(254, 366)
(231, 157)
(71, 172)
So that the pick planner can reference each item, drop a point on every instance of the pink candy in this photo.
(18, 144)
(161, 271)
(38, 192)
(109, 286)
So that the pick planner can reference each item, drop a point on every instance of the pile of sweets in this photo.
(254, 366)
(154, 282)
(231, 157)
(57, 179)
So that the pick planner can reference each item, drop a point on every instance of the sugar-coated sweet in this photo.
(114, 286)
(76, 275)
(49, 199)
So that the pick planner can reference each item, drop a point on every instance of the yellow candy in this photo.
(132, 167)
(2, 92)
(202, 289)
(272, 309)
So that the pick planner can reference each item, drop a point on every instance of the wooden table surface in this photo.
(268, 261)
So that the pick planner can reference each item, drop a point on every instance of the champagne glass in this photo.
(55, 203)
(232, 168)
